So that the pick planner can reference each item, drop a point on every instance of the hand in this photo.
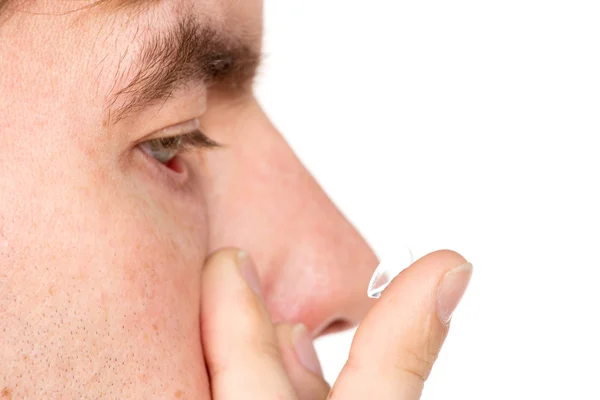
(391, 356)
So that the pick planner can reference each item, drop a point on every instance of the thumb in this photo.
(399, 340)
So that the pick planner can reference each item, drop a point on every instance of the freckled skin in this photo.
(100, 275)
(6, 393)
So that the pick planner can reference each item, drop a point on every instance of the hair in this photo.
(3, 13)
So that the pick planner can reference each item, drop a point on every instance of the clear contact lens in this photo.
(387, 270)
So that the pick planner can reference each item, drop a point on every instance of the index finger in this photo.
(240, 344)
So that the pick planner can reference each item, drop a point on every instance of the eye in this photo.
(163, 150)
(169, 142)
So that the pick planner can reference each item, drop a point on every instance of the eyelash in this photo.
(172, 141)
(189, 141)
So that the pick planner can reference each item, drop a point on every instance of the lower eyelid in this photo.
(176, 165)
(174, 178)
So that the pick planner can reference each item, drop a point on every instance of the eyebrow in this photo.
(189, 53)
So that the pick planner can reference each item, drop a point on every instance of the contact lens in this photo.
(387, 270)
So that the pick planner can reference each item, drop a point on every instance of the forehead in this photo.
(95, 49)
(236, 15)
(242, 18)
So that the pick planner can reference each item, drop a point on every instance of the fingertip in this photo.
(446, 259)
(227, 270)
(227, 256)
(423, 275)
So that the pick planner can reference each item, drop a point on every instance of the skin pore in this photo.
(102, 245)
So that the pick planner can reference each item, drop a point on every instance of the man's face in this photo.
(104, 227)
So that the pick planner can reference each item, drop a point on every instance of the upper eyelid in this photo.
(180, 129)
(190, 131)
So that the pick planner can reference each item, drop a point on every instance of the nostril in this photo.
(337, 325)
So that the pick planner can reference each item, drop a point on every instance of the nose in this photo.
(313, 264)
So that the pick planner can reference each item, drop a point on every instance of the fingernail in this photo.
(248, 271)
(305, 349)
(451, 290)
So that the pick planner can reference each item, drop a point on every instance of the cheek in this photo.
(101, 281)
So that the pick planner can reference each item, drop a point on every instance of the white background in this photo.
(470, 125)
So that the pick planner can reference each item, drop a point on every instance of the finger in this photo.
(399, 340)
(301, 362)
(238, 338)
